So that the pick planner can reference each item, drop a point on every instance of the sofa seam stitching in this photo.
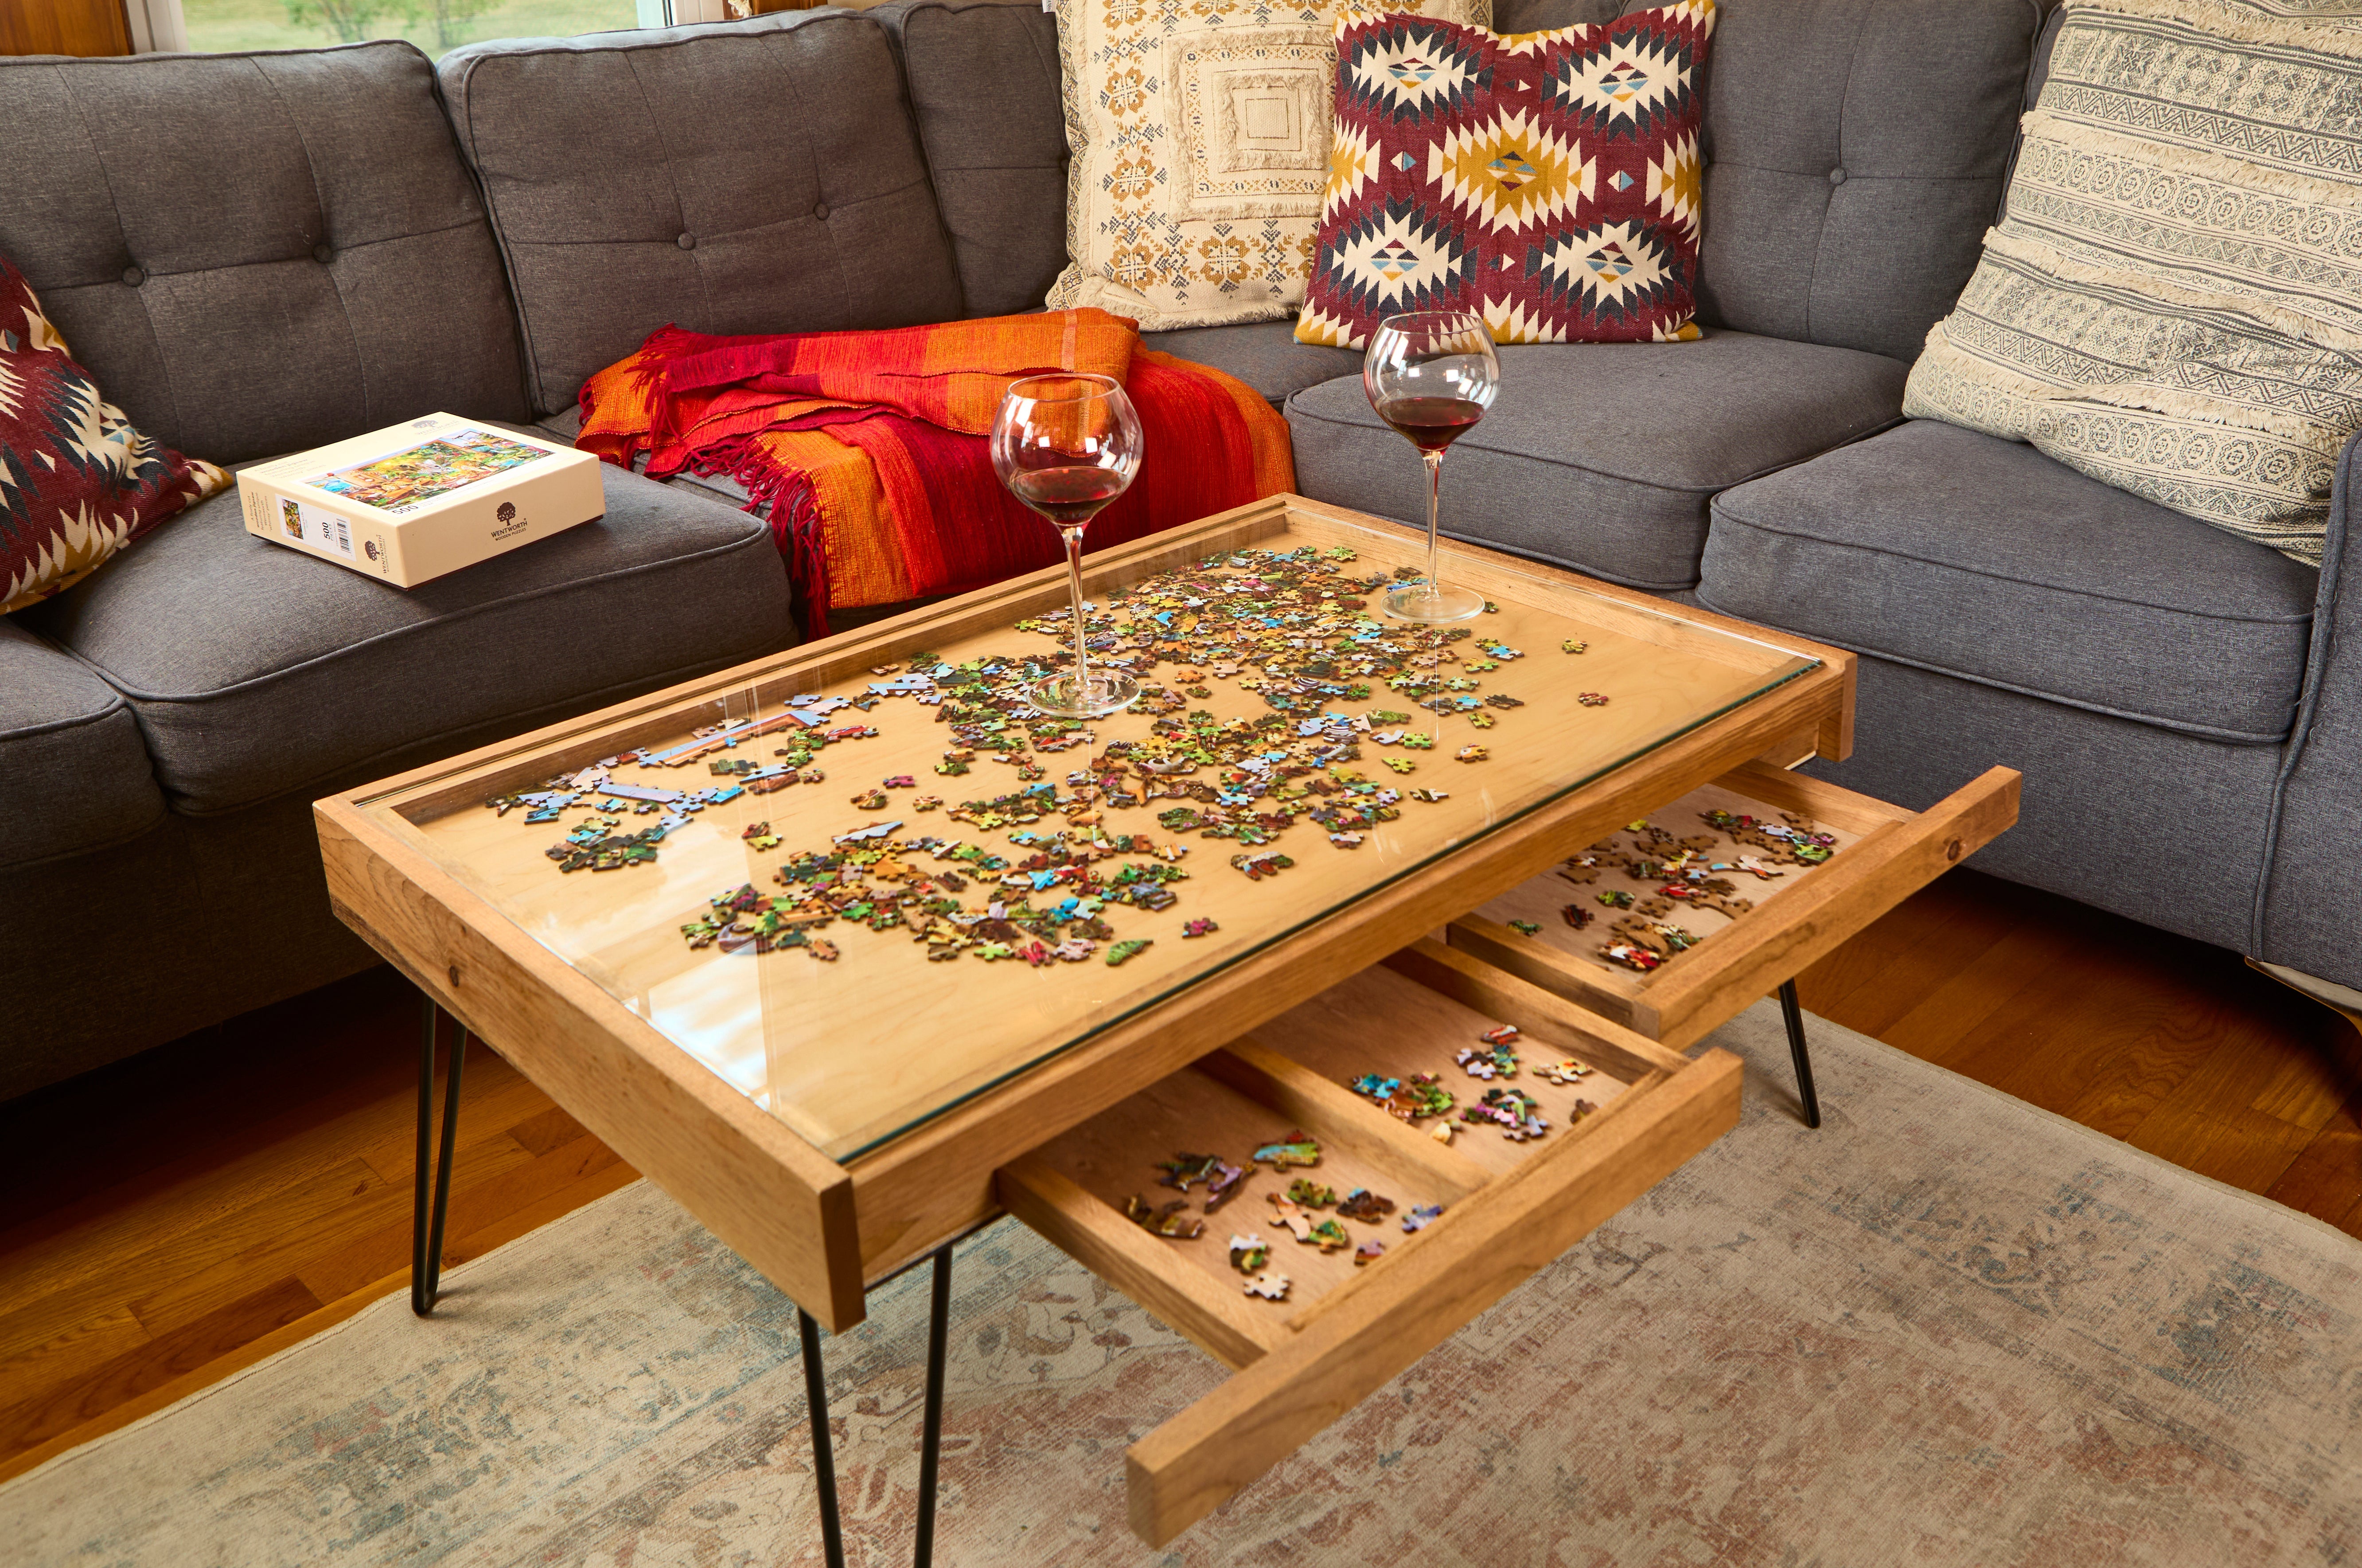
(271, 261)
(645, 685)
(2316, 677)
(164, 814)
(123, 233)
(1708, 488)
(1829, 194)
(736, 30)
(320, 200)
(536, 393)
(2304, 619)
(2154, 721)
(116, 702)
(761, 537)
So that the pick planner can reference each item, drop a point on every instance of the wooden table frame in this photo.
(820, 1230)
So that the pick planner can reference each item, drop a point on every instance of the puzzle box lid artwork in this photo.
(416, 500)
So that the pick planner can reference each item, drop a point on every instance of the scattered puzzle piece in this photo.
(1290, 1216)
(1310, 1194)
(1299, 1148)
(1270, 1286)
(1249, 1253)
(1172, 1221)
(1329, 1236)
(1365, 1206)
(1422, 1216)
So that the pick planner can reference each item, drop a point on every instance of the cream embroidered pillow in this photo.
(1200, 130)
(2172, 300)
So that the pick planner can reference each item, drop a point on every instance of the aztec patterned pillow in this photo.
(77, 482)
(1549, 180)
(1199, 136)
(2173, 301)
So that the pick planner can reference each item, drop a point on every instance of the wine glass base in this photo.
(1435, 603)
(1101, 695)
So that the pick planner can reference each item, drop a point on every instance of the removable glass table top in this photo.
(863, 881)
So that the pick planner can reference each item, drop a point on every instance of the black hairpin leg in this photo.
(832, 1534)
(1792, 1013)
(930, 1447)
(425, 1231)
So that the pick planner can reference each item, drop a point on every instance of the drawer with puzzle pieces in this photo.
(1674, 924)
(1335, 1193)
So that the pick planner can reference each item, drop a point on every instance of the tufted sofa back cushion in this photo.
(1856, 151)
(255, 253)
(983, 76)
(737, 177)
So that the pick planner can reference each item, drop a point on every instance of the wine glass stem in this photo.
(1434, 461)
(1074, 582)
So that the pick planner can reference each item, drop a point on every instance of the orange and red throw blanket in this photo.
(869, 452)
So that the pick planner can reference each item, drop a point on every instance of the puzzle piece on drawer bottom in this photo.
(1329, 1236)
(1299, 1148)
(1270, 1286)
(1249, 1253)
(1421, 1215)
(1565, 1074)
(1310, 1194)
(1184, 1169)
(1172, 1221)
(1291, 1218)
(1365, 1206)
(1368, 1251)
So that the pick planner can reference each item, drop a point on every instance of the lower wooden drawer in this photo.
(1508, 1205)
(1753, 918)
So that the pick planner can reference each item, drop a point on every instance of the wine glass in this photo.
(1066, 445)
(1431, 374)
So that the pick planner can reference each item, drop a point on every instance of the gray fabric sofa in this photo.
(259, 253)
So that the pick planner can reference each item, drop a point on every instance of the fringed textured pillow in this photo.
(77, 482)
(2172, 300)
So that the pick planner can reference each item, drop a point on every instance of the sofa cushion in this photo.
(982, 77)
(760, 176)
(256, 670)
(1263, 354)
(258, 253)
(1601, 457)
(1940, 547)
(70, 750)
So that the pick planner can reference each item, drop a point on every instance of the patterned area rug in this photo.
(1945, 1328)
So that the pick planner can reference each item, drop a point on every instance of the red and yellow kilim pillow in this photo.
(77, 482)
(1548, 179)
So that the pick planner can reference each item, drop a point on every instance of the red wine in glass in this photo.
(1432, 423)
(1431, 375)
(1068, 497)
(1066, 444)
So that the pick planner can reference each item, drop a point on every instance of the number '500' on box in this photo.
(419, 500)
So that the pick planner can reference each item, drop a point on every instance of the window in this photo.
(434, 26)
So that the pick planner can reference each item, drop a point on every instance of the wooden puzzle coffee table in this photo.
(850, 952)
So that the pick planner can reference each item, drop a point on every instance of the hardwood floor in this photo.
(181, 1214)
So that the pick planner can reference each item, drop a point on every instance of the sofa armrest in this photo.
(2309, 901)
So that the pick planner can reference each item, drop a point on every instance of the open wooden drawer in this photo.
(1508, 1207)
(1553, 929)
